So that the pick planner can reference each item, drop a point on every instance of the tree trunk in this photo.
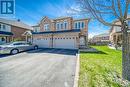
(125, 54)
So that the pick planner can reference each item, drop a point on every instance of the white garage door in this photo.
(43, 43)
(65, 43)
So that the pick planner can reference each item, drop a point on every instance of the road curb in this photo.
(77, 70)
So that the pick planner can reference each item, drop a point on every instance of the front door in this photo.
(82, 41)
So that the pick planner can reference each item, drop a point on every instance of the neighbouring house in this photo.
(101, 39)
(65, 33)
(116, 33)
(11, 30)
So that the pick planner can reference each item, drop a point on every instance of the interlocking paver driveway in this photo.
(42, 68)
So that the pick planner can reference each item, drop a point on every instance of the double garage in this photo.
(57, 40)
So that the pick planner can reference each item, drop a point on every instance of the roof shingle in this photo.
(15, 23)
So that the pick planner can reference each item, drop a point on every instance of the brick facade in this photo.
(70, 23)
(69, 20)
(116, 34)
(17, 33)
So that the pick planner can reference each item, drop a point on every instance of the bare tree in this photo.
(103, 11)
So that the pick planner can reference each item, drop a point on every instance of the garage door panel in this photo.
(42, 43)
(65, 43)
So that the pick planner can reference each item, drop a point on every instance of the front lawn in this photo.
(101, 69)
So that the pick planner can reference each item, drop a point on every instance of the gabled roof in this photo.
(44, 18)
(15, 23)
(53, 32)
(6, 33)
(27, 33)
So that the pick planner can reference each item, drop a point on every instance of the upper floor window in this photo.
(46, 27)
(57, 26)
(61, 25)
(65, 25)
(75, 25)
(4, 27)
(36, 29)
(82, 24)
(79, 25)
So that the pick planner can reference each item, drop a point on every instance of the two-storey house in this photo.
(11, 30)
(66, 33)
(116, 33)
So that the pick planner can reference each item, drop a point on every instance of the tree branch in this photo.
(126, 9)
(119, 8)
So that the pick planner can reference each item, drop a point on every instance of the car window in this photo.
(8, 43)
(29, 43)
(18, 44)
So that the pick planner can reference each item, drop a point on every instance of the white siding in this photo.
(36, 29)
(42, 42)
(5, 27)
(65, 43)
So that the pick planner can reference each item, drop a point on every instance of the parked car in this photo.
(16, 47)
(109, 44)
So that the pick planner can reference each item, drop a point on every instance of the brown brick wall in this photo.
(70, 21)
(18, 33)
(44, 21)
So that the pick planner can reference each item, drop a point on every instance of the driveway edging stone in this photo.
(77, 70)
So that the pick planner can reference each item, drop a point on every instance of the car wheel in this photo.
(14, 51)
(35, 47)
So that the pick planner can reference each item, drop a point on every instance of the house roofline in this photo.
(53, 32)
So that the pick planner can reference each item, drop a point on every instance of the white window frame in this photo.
(61, 26)
(81, 27)
(78, 25)
(36, 29)
(4, 27)
(46, 27)
(57, 26)
(75, 25)
(65, 25)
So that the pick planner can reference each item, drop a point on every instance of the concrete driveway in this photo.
(42, 68)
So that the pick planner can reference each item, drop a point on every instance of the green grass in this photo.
(101, 69)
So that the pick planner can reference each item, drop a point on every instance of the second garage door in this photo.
(65, 43)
